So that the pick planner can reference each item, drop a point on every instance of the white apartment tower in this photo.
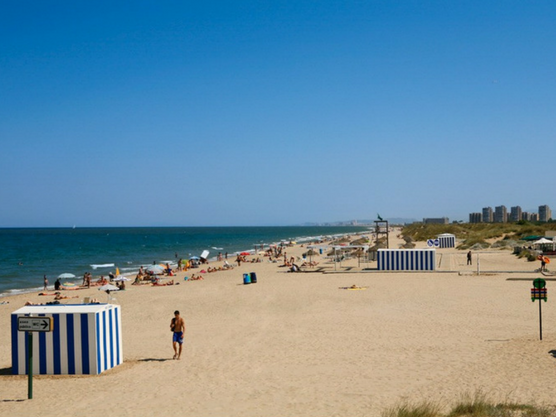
(488, 215)
(545, 214)
(515, 214)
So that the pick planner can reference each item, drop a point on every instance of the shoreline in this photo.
(105, 268)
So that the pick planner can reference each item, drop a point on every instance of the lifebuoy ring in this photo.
(546, 259)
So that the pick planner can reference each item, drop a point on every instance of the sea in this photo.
(28, 254)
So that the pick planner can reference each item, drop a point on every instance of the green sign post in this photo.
(539, 292)
(31, 324)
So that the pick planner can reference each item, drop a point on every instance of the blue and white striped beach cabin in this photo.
(447, 240)
(86, 339)
(406, 259)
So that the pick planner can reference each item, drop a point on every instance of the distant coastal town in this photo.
(500, 214)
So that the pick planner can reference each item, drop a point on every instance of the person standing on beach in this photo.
(45, 283)
(178, 328)
(469, 262)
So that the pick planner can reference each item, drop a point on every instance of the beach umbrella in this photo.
(66, 275)
(108, 288)
(245, 253)
(532, 237)
(194, 258)
(359, 252)
(360, 241)
(155, 269)
(121, 278)
(343, 240)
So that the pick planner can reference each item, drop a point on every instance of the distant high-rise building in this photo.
(515, 214)
(526, 216)
(475, 217)
(534, 217)
(545, 214)
(488, 215)
(500, 214)
(441, 220)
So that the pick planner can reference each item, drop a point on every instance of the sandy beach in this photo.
(296, 344)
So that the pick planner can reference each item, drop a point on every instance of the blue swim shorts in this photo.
(178, 337)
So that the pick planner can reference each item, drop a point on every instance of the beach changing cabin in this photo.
(447, 240)
(406, 259)
(86, 339)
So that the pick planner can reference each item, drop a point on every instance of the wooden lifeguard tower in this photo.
(381, 230)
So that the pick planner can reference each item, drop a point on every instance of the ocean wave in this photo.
(102, 266)
(9, 292)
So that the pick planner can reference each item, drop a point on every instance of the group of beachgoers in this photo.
(275, 254)
(293, 266)
(58, 296)
(149, 277)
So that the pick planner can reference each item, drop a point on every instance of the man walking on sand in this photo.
(178, 328)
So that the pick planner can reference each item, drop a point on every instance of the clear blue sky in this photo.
(273, 112)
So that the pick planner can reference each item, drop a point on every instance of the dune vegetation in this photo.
(476, 405)
(483, 234)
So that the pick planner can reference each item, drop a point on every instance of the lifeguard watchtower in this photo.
(381, 230)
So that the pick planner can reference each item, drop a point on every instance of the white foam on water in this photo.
(95, 266)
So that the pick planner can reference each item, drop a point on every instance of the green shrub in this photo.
(426, 409)
(476, 405)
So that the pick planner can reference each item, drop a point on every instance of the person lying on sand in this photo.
(353, 287)
(100, 282)
(158, 284)
(64, 297)
(196, 277)
(30, 303)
